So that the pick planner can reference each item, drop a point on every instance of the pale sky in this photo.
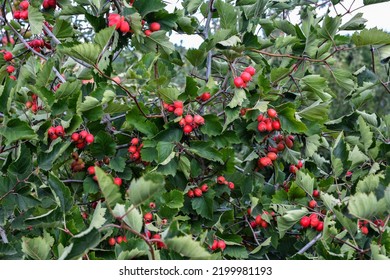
(377, 15)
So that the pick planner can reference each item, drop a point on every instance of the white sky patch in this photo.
(377, 15)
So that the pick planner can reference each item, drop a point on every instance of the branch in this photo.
(3, 235)
(311, 243)
(206, 36)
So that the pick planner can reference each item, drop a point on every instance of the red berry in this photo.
(187, 129)
(260, 117)
(312, 203)
(124, 27)
(250, 70)
(10, 69)
(7, 56)
(111, 241)
(316, 193)
(289, 143)
(135, 156)
(152, 205)
(305, 222)
(280, 147)
(320, 226)
(276, 125)
(91, 170)
(115, 19)
(178, 111)
(83, 134)
(24, 14)
(215, 245)
(118, 181)
(189, 119)
(238, 82)
(182, 122)
(221, 180)
(221, 245)
(231, 185)
(204, 188)
(51, 131)
(300, 164)
(264, 224)
(89, 138)
(75, 136)
(348, 174)
(262, 126)
(148, 217)
(205, 96)
(253, 224)
(198, 192)
(178, 104)
(190, 194)
(364, 230)
(60, 130)
(154, 26)
(265, 161)
(199, 120)
(28, 104)
(148, 32)
(119, 239)
(314, 222)
(246, 77)
(272, 113)
(16, 15)
(293, 169)
(132, 149)
(134, 141)
(249, 211)
(272, 156)
(24, 5)
(258, 220)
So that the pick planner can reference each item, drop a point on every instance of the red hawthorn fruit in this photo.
(189, 119)
(124, 27)
(152, 205)
(118, 181)
(379, 223)
(178, 104)
(119, 239)
(265, 161)
(231, 185)
(293, 169)
(205, 96)
(24, 5)
(83, 134)
(258, 220)
(249, 211)
(246, 77)
(260, 117)
(16, 15)
(264, 224)
(314, 222)
(199, 120)
(348, 174)
(111, 241)
(221, 245)
(91, 170)
(135, 156)
(276, 125)
(300, 164)
(316, 193)
(289, 143)
(134, 141)
(272, 156)
(7, 56)
(182, 122)
(204, 188)
(115, 19)
(221, 180)
(148, 217)
(148, 32)
(215, 245)
(10, 69)
(305, 222)
(250, 70)
(198, 192)
(312, 203)
(190, 194)
(29, 104)
(132, 149)
(187, 129)
(272, 113)
(280, 147)
(320, 226)
(262, 126)
(24, 14)
(364, 230)
(89, 138)
(268, 126)
(178, 111)
(238, 82)
(253, 224)
(60, 130)
(154, 26)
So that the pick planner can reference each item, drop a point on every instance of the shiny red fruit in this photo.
(148, 32)
(199, 120)
(89, 138)
(312, 203)
(272, 156)
(178, 104)
(154, 26)
(276, 125)
(118, 181)
(198, 192)
(305, 222)
(316, 193)
(258, 220)
(124, 27)
(75, 136)
(10, 69)
(364, 230)
(24, 5)
(231, 185)
(83, 134)
(265, 161)
(60, 130)
(314, 222)
(250, 70)
(215, 245)
(320, 226)
(152, 205)
(246, 77)
(272, 113)
(221, 180)
(187, 129)
(134, 141)
(119, 239)
(204, 188)
(111, 241)
(178, 111)
(221, 245)
(148, 217)
(239, 82)
(7, 56)
(91, 170)
(190, 194)
(189, 119)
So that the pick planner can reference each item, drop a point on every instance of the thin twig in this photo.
(206, 36)
(311, 243)
(3, 235)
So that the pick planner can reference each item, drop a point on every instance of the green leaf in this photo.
(164, 151)
(289, 219)
(339, 155)
(109, 189)
(312, 145)
(288, 120)
(371, 2)
(186, 246)
(278, 73)
(146, 7)
(363, 206)
(196, 56)
(22, 167)
(133, 254)
(316, 85)
(145, 187)
(372, 36)
(16, 130)
(369, 184)
(86, 52)
(366, 135)
(305, 181)
(61, 192)
(238, 98)
(137, 121)
(205, 150)
(103, 145)
(169, 95)
(81, 245)
(204, 205)
(212, 126)
(38, 248)
(344, 79)
(133, 218)
(47, 159)
(330, 26)
(97, 221)
(118, 164)
(356, 157)
(347, 223)
(236, 252)
(173, 199)
(103, 37)
(355, 23)
(160, 39)
(227, 15)
(35, 19)
(63, 29)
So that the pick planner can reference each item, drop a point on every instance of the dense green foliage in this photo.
(130, 163)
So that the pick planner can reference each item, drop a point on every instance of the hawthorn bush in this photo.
(116, 144)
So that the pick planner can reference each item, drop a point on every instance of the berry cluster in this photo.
(117, 240)
(153, 27)
(189, 123)
(77, 164)
(33, 104)
(37, 44)
(312, 221)
(281, 143)
(5, 41)
(198, 191)
(259, 222)
(245, 77)
(82, 139)
(119, 22)
(135, 149)
(218, 244)
(49, 4)
(267, 160)
(204, 96)
(56, 131)
(363, 226)
(295, 167)
(22, 13)
(269, 123)
(176, 107)
(222, 181)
